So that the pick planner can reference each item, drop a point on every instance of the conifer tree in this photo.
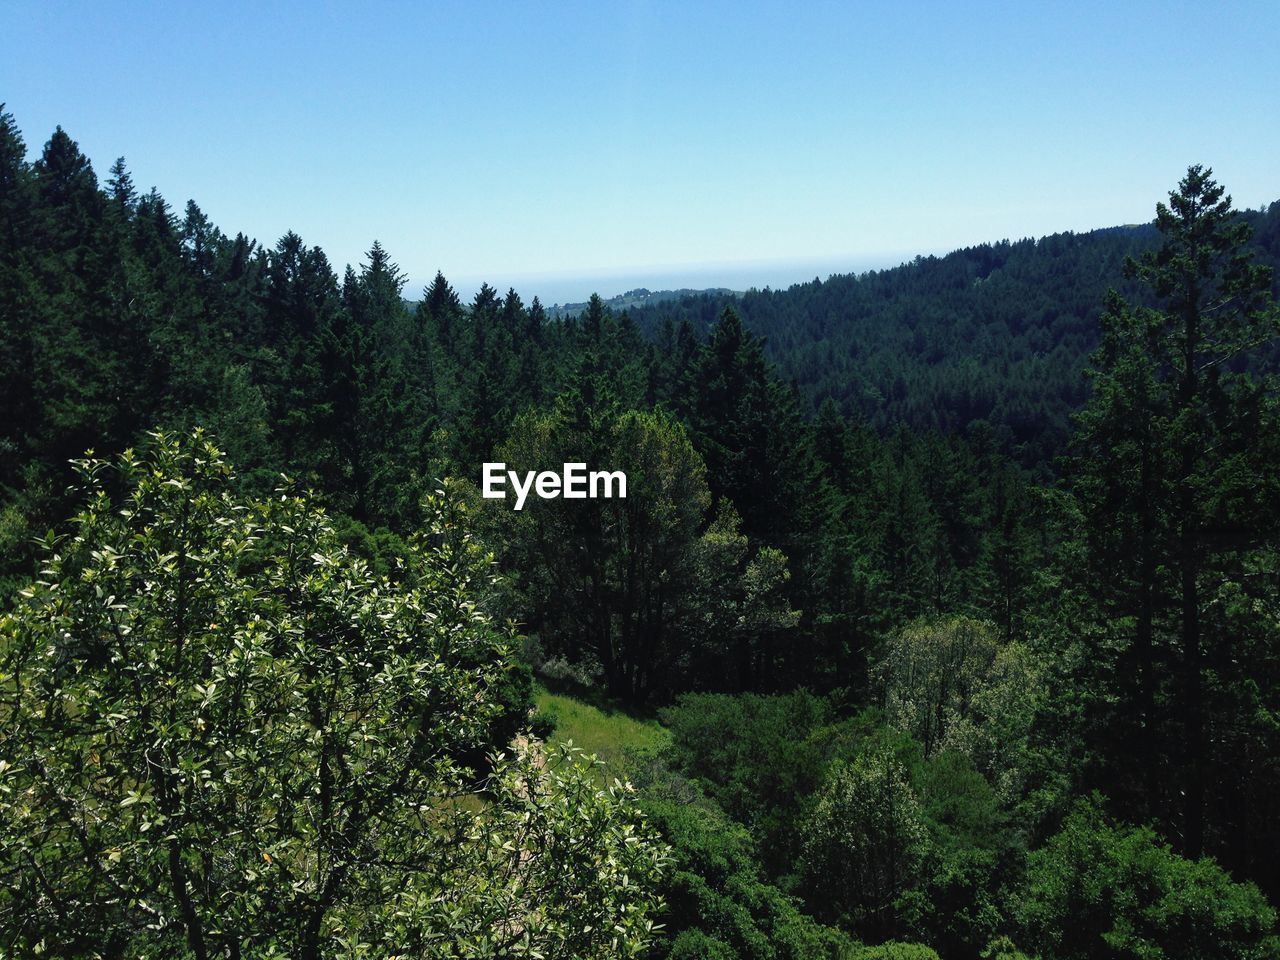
(120, 187)
(1174, 398)
(17, 348)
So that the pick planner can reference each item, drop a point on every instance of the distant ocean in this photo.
(743, 275)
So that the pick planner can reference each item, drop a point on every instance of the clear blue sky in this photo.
(536, 143)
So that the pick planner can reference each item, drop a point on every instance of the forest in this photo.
(941, 618)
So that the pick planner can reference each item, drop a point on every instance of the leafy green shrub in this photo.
(951, 684)
(1002, 948)
(892, 950)
(717, 901)
(864, 845)
(1098, 890)
(971, 851)
(543, 724)
(222, 735)
(696, 945)
(754, 757)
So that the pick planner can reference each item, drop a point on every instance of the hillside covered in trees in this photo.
(955, 650)
(998, 333)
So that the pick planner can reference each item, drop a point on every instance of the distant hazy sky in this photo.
(546, 144)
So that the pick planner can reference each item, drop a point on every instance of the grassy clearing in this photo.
(621, 740)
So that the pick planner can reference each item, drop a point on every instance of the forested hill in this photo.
(998, 332)
(639, 297)
(919, 701)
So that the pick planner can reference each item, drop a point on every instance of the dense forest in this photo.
(953, 589)
(997, 333)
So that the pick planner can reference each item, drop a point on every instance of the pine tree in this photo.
(120, 187)
(1175, 401)
(16, 346)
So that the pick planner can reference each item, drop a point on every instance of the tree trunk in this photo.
(1189, 535)
(1193, 837)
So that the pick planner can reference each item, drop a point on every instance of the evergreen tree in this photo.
(17, 347)
(1174, 398)
(120, 188)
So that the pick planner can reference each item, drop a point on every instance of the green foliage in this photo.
(1098, 890)
(621, 740)
(717, 902)
(543, 724)
(997, 333)
(756, 759)
(893, 950)
(932, 672)
(222, 733)
(1175, 475)
(643, 584)
(696, 945)
(950, 684)
(910, 545)
(555, 867)
(1002, 948)
(864, 845)
(972, 853)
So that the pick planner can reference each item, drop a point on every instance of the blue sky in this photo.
(564, 146)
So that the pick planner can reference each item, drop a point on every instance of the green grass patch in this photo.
(622, 740)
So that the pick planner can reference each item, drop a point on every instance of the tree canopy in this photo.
(946, 596)
(224, 736)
